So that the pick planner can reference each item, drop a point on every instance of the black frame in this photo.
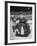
(6, 24)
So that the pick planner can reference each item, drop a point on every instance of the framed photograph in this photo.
(20, 22)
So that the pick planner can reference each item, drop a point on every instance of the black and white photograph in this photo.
(21, 22)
